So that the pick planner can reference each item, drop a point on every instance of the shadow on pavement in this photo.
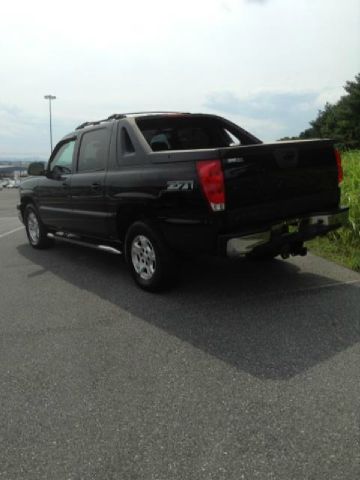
(259, 318)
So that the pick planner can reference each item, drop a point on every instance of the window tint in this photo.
(167, 133)
(93, 151)
(63, 158)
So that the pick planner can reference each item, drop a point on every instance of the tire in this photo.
(35, 229)
(150, 261)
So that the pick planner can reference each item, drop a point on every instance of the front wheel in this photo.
(150, 261)
(35, 229)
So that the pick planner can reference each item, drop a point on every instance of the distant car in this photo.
(11, 184)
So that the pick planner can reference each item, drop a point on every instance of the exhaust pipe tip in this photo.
(293, 250)
(302, 251)
(285, 252)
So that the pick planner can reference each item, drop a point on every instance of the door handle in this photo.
(65, 183)
(95, 186)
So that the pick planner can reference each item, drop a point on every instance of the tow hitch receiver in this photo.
(285, 238)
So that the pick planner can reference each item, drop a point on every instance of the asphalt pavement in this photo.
(244, 371)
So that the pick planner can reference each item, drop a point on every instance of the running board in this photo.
(74, 240)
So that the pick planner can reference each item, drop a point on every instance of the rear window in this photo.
(188, 133)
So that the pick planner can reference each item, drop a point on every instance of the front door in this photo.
(53, 192)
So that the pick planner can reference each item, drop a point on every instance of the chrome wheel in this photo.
(143, 257)
(33, 228)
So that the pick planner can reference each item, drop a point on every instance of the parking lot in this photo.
(244, 371)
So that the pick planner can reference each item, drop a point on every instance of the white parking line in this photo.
(10, 232)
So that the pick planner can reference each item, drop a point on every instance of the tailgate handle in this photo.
(287, 158)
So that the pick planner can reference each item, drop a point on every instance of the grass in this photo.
(343, 246)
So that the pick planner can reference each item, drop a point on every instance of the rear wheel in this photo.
(35, 229)
(150, 261)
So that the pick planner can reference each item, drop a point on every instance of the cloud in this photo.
(225, 6)
(289, 112)
(9, 109)
(230, 5)
(24, 134)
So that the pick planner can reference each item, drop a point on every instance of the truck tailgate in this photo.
(273, 181)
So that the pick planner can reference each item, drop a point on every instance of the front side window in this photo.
(93, 151)
(62, 161)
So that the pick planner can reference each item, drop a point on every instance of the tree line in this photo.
(340, 121)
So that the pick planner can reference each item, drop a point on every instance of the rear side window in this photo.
(126, 146)
(233, 139)
(93, 150)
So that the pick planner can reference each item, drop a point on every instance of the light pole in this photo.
(50, 97)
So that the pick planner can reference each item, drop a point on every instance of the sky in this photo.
(268, 65)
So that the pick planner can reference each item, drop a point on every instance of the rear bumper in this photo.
(284, 234)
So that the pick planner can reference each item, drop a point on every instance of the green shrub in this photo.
(343, 245)
(350, 196)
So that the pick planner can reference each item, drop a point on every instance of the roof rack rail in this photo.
(148, 112)
(97, 122)
(83, 125)
(118, 116)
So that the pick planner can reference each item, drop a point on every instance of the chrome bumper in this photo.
(311, 226)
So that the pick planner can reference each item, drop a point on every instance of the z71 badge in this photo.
(180, 185)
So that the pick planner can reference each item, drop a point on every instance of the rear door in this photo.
(88, 183)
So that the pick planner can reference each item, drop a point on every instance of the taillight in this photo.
(339, 166)
(212, 181)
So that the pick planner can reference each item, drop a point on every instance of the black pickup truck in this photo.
(156, 184)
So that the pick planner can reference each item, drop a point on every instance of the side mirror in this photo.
(36, 169)
(56, 173)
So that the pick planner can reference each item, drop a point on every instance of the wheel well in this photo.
(24, 202)
(125, 218)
